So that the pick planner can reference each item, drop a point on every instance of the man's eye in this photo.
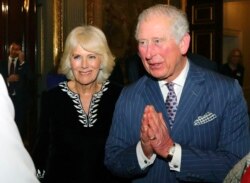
(157, 41)
(142, 42)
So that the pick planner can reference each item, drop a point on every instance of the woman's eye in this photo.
(92, 57)
(81, 58)
(77, 57)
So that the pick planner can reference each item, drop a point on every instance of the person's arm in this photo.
(16, 165)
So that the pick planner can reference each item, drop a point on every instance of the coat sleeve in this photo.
(16, 164)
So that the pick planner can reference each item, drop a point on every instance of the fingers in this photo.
(145, 141)
(154, 132)
(149, 122)
(156, 124)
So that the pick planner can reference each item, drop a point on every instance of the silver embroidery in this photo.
(88, 120)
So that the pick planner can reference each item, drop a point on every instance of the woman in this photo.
(234, 68)
(77, 114)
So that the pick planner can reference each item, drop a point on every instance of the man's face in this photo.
(162, 57)
(14, 50)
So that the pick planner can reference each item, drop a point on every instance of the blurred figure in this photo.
(16, 165)
(53, 78)
(246, 175)
(202, 61)
(234, 68)
(240, 173)
(76, 115)
(117, 73)
(18, 78)
(134, 68)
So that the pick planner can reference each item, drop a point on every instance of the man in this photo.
(202, 138)
(17, 75)
(16, 165)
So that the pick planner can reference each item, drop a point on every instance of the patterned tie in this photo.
(171, 103)
(11, 84)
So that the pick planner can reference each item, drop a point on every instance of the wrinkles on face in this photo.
(161, 62)
(160, 53)
(85, 65)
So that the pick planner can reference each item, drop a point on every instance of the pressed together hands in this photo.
(155, 136)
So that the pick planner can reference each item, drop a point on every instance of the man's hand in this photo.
(146, 136)
(13, 78)
(155, 137)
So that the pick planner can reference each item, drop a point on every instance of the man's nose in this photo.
(150, 51)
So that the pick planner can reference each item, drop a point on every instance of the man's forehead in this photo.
(15, 46)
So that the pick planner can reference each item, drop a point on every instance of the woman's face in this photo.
(85, 65)
(236, 57)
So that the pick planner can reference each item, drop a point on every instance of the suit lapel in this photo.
(152, 93)
(191, 95)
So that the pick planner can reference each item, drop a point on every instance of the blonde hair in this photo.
(179, 26)
(91, 39)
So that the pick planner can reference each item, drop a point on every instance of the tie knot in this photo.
(170, 86)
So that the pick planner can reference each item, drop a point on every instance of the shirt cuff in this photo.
(175, 163)
(143, 161)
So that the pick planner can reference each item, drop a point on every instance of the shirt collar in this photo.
(181, 78)
(10, 58)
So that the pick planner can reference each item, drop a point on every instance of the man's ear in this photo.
(184, 44)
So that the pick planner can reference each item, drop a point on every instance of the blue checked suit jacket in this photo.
(211, 125)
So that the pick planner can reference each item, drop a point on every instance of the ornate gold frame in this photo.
(93, 16)
(57, 30)
(93, 6)
(90, 4)
(93, 12)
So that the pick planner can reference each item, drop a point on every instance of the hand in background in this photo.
(13, 78)
(21, 57)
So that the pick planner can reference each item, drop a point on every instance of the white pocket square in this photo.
(207, 117)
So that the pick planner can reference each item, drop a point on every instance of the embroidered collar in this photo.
(88, 120)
